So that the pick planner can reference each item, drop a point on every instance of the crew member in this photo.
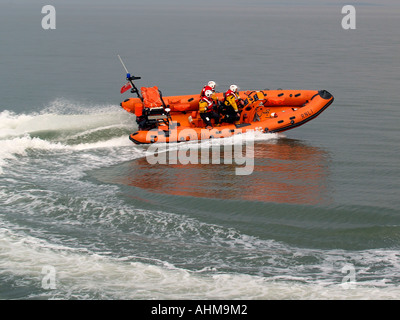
(231, 105)
(211, 86)
(206, 109)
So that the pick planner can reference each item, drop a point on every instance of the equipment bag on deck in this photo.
(151, 97)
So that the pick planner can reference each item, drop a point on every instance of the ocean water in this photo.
(85, 216)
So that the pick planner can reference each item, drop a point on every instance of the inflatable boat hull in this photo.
(267, 111)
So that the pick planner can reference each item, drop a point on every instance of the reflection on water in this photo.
(285, 171)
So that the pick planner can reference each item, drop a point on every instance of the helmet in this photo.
(233, 87)
(208, 93)
(211, 84)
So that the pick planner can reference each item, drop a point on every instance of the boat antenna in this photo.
(130, 79)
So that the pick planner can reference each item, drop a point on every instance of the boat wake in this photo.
(69, 129)
(64, 126)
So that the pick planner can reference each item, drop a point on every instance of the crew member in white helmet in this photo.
(232, 103)
(210, 86)
(206, 109)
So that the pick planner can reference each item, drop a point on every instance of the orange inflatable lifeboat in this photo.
(176, 118)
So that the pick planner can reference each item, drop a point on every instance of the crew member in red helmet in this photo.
(230, 107)
(206, 109)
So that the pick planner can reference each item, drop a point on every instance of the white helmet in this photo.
(208, 93)
(212, 84)
(233, 87)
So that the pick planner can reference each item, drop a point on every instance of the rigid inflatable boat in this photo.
(177, 118)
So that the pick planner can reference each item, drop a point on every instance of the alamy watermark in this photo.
(349, 280)
(49, 278)
(49, 20)
(349, 20)
(235, 150)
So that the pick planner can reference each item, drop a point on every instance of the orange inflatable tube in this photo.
(263, 110)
